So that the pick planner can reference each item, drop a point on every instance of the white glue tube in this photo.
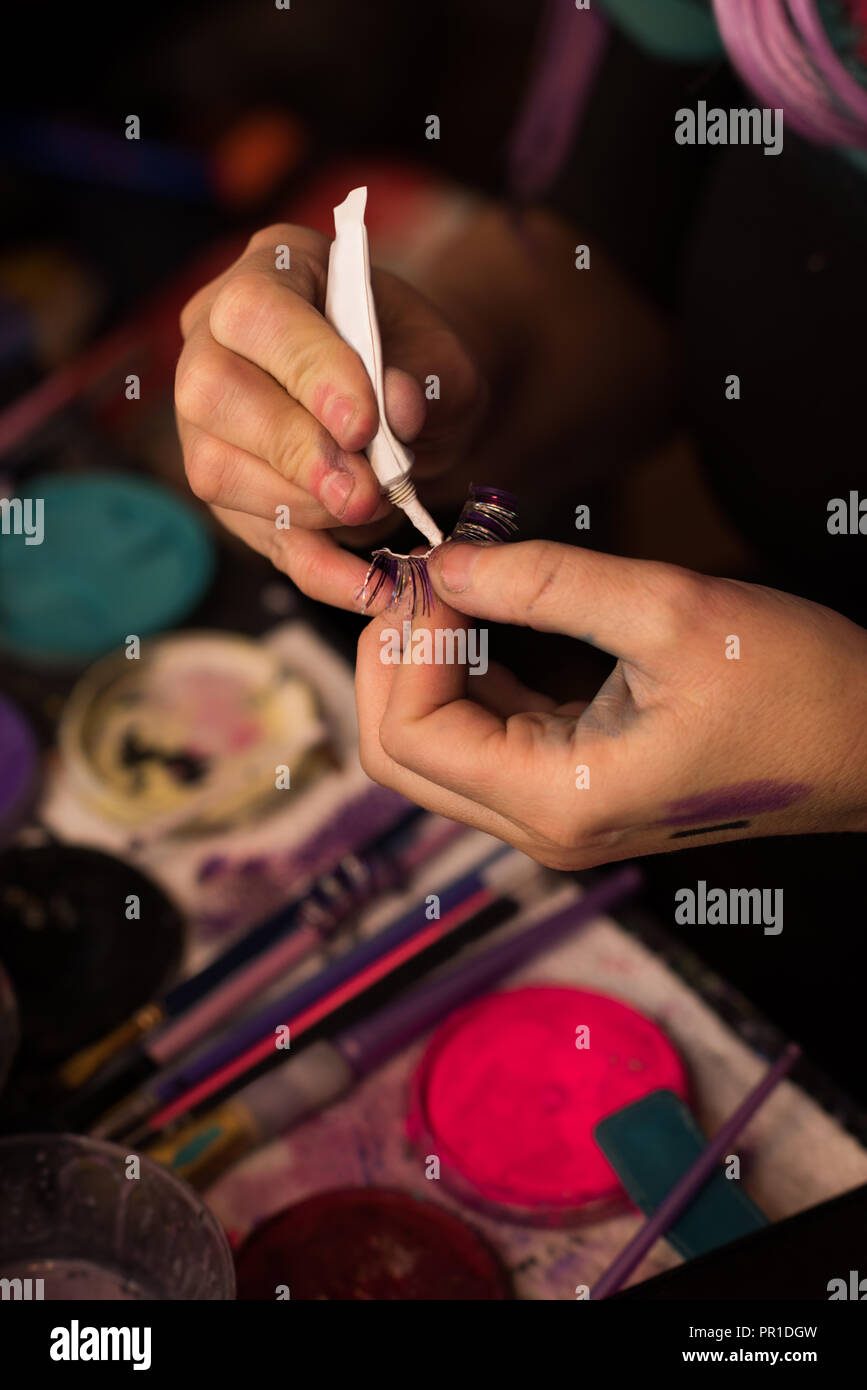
(350, 309)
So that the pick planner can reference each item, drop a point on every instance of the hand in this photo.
(685, 742)
(274, 408)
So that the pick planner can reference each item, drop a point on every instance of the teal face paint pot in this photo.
(112, 555)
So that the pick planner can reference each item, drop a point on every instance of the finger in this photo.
(373, 680)
(316, 566)
(510, 764)
(268, 317)
(226, 396)
(225, 476)
(636, 609)
(404, 403)
(260, 251)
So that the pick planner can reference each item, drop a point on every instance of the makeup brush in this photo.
(304, 1084)
(687, 1188)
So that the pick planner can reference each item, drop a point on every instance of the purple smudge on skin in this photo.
(743, 799)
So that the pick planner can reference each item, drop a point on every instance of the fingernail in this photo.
(339, 416)
(336, 490)
(456, 564)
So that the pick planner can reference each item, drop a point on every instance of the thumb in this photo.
(634, 609)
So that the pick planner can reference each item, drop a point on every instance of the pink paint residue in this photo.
(508, 1102)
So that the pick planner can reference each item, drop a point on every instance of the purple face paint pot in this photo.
(19, 769)
(368, 1244)
(75, 1215)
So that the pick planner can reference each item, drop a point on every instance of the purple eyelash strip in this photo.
(489, 517)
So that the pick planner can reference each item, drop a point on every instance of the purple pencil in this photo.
(687, 1188)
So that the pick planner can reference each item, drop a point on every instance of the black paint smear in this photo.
(186, 768)
(710, 829)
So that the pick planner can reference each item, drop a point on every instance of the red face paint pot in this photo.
(367, 1243)
(511, 1087)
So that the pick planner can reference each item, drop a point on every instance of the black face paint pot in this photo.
(85, 940)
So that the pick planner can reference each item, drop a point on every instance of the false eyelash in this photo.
(408, 576)
(488, 517)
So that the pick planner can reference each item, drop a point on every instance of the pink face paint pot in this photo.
(369, 1244)
(511, 1087)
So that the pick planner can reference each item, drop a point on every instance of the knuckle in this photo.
(237, 305)
(307, 363)
(298, 566)
(276, 234)
(288, 452)
(682, 602)
(393, 738)
(191, 311)
(200, 385)
(545, 574)
(206, 461)
(372, 762)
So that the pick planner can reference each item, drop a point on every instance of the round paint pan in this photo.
(368, 1243)
(187, 738)
(507, 1099)
(118, 555)
(78, 965)
(19, 769)
(71, 1216)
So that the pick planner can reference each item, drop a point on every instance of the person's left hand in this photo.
(733, 710)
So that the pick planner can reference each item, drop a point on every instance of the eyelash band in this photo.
(488, 517)
(408, 577)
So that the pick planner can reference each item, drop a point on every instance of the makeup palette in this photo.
(368, 1243)
(188, 738)
(511, 1087)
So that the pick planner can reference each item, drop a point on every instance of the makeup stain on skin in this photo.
(735, 802)
(612, 710)
(710, 829)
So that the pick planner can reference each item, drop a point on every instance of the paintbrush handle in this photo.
(687, 1188)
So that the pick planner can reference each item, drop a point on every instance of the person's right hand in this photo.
(273, 408)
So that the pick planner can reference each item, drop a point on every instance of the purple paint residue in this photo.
(743, 799)
(19, 767)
